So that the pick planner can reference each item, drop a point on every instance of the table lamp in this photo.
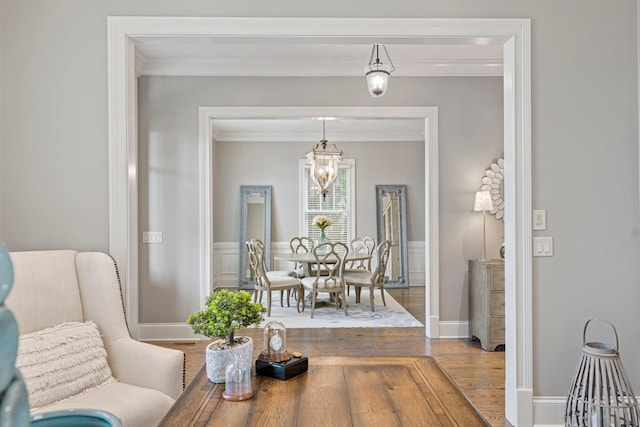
(483, 203)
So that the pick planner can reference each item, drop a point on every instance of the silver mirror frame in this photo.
(245, 192)
(493, 182)
(401, 192)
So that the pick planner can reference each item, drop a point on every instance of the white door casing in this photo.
(514, 34)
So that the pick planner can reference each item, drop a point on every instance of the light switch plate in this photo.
(543, 246)
(152, 237)
(540, 219)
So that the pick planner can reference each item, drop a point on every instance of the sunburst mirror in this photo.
(493, 182)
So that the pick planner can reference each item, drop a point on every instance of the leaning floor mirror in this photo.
(255, 223)
(391, 213)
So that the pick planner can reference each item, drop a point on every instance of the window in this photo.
(339, 204)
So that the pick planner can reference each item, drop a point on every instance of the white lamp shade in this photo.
(483, 201)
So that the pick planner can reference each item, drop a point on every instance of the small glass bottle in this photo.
(238, 380)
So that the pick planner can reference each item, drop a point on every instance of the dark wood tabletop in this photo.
(336, 391)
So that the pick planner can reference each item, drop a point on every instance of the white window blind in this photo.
(338, 204)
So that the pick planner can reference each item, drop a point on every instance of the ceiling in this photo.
(272, 57)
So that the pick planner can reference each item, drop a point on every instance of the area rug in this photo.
(360, 315)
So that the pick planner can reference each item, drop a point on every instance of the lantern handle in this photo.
(584, 333)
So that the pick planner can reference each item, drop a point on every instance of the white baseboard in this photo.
(432, 327)
(548, 411)
(454, 329)
(166, 332)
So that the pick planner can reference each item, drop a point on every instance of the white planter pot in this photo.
(217, 360)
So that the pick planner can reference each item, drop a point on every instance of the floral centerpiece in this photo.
(322, 222)
(225, 313)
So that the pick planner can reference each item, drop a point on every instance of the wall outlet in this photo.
(152, 237)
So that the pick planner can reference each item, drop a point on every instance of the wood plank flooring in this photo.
(479, 374)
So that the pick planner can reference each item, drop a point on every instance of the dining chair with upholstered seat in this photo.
(371, 279)
(267, 281)
(300, 245)
(329, 273)
(361, 246)
(289, 273)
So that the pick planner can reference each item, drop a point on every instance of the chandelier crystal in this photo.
(324, 159)
(377, 72)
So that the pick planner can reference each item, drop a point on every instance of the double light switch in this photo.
(543, 246)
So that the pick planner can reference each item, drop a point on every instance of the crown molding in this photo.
(313, 138)
(247, 67)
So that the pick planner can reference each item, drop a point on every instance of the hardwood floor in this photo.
(479, 374)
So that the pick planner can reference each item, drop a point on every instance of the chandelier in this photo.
(324, 159)
(378, 73)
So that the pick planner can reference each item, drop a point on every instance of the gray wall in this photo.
(470, 139)
(276, 164)
(54, 164)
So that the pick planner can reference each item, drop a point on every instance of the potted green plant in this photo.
(225, 313)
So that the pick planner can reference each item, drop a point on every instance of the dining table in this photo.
(307, 259)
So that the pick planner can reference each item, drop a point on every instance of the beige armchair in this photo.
(59, 286)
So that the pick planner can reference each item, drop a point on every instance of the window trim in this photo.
(349, 164)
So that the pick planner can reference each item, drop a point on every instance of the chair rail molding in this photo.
(513, 34)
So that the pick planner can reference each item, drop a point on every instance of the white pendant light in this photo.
(324, 159)
(377, 72)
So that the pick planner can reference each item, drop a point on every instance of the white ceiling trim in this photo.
(253, 68)
(314, 137)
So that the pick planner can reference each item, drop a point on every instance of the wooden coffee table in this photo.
(336, 391)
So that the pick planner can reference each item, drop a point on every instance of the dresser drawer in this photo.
(497, 329)
(497, 279)
(496, 303)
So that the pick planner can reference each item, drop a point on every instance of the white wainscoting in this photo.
(417, 267)
(226, 259)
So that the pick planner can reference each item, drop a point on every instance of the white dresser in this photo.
(486, 302)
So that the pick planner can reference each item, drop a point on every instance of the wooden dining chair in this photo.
(290, 273)
(365, 246)
(362, 246)
(371, 279)
(300, 245)
(267, 281)
(329, 273)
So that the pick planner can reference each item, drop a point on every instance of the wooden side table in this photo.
(486, 302)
